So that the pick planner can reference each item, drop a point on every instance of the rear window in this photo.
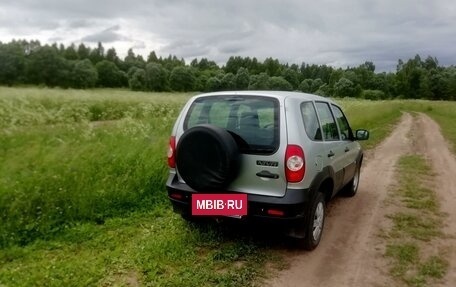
(253, 121)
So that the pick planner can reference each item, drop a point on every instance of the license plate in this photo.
(220, 204)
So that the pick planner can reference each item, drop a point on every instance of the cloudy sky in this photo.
(338, 33)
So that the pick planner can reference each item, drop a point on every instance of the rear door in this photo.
(261, 125)
(257, 123)
(334, 155)
(350, 147)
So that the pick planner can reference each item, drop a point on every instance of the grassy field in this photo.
(83, 200)
(66, 160)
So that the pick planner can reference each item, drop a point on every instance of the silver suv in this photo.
(288, 153)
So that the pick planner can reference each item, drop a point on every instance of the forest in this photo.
(25, 62)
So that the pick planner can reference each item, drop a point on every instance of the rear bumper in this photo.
(293, 203)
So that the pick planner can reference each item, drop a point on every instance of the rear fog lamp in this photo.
(275, 212)
(176, 196)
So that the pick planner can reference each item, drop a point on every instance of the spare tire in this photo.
(207, 158)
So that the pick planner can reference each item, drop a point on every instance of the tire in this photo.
(351, 188)
(314, 222)
(207, 158)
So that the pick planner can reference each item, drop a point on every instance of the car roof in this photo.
(275, 94)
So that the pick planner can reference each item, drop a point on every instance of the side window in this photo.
(309, 116)
(328, 124)
(345, 131)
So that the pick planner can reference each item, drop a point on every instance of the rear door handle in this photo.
(267, 174)
(347, 149)
(331, 153)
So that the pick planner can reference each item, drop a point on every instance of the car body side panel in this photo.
(351, 159)
(297, 136)
(336, 162)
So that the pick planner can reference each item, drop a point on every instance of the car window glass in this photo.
(328, 124)
(254, 121)
(219, 114)
(311, 124)
(266, 118)
(345, 131)
(196, 116)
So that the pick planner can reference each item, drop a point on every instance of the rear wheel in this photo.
(352, 187)
(315, 221)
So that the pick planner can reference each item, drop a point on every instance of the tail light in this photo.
(172, 152)
(295, 166)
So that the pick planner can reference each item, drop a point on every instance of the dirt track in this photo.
(351, 252)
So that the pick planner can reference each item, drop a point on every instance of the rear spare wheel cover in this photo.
(207, 158)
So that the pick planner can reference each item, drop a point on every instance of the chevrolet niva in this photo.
(288, 153)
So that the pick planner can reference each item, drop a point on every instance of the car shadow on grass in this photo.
(264, 236)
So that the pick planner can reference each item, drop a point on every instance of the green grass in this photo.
(405, 256)
(415, 194)
(154, 248)
(415, 226)
(55, 175)
(25, 107)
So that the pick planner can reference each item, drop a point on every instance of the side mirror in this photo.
(362, 135)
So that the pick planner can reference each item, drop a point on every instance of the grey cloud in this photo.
(55, 39)
(322, 32)
(79, 23)
(186, 49)
(139, 45)
(232, 49)
(106, 36)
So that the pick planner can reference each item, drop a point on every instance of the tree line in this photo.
(80, 67)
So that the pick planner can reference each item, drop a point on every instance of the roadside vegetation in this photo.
(82, 176)
(66, 160)
(415, 226)
(28, 62)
